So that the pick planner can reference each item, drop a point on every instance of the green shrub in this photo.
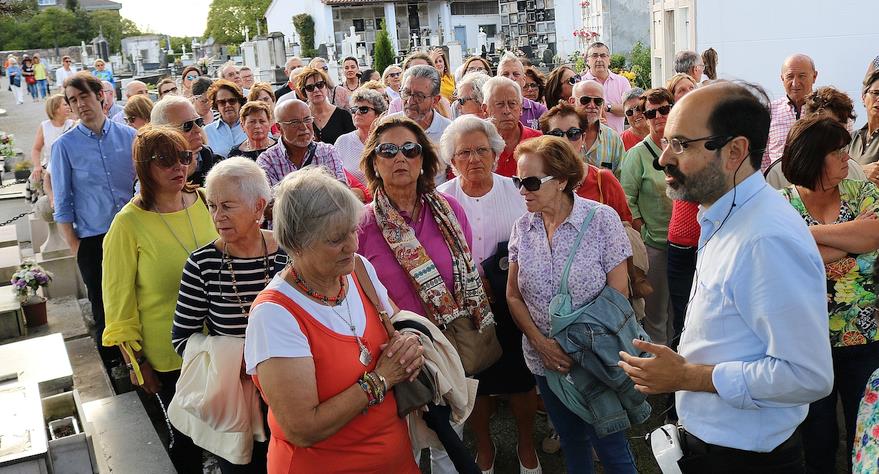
(383, 54)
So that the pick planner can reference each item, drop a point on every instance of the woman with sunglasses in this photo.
(644, 183)
(393, 80)
(368, 106)
(541, 243)
(638, 128)
(471, 146)
(226, 132)
(148, 243)
(535, 84)
(330, 122)
(418, 239)
(137, 111)
(189, 75)
(336, 94)
(256, 120)
(560, 85)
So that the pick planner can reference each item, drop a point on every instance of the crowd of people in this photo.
(331, 277)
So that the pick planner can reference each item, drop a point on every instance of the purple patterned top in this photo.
(604, 246)
(275, 163)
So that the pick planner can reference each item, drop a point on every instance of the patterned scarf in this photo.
(469, 298)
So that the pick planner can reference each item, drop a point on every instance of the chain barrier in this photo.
(10, 221)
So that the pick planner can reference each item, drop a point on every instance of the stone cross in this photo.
(349, 44)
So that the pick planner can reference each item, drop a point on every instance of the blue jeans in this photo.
(43, 87)
(578, 438)
(32, 90)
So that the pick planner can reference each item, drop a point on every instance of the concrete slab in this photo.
(10, 259)
(8, 236)
(89, 376)
(41, 360)
(64, 317)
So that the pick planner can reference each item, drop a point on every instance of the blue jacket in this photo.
(596, 388)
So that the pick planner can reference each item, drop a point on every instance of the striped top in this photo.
(207, 297)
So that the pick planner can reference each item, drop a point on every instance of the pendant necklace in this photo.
(365, 356)
(191, 228)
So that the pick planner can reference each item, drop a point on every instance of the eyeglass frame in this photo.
(307, 120)
(657, 111)
(712, 142)
(480, 152)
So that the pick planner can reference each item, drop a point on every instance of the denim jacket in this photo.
(596, 388)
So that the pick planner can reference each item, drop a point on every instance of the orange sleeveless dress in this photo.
(374, 442)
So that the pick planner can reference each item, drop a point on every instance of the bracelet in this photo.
(378, 386)
(369, 396)
(140, 360)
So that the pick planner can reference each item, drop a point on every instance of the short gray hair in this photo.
(491, 85)
(634, 93)
(423, 71)
(685, 61)
(509, 57)
(466, 124)
(160, 110)
(476, 80)
(249, 179)
(310, 203)
(369, 95)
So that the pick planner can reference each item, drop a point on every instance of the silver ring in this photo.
(559, 367)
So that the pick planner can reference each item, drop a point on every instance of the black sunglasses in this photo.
(184, 157)
(531, 183)
(187, 126)
(586, 99)
(572, 133)
(316, 85)
(574, 79)
(631, 112)
(362, 110)
(651, 114)
(389, 150)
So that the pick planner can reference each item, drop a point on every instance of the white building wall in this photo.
(568, 17)
(471, 24)
(279, 17)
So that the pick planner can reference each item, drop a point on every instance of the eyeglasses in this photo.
(172, 90)
(633, 111)
(225, 102)
(651, 114)
(678, 145)
(416, 97)
(463, 100)
(531, 183)
(481, 152)
(574, 79)
(199, 98)
(191, 77)
(476, 69)
(531, 85)
(183, 157)
(316, 85)
(574, 133)
(389, 150)
(585, 100)
(295, 123)
(362, 110)
(68, 61)
(394, 74)
(873, 92)
(187, 126)
(598, 55)
(325, 67)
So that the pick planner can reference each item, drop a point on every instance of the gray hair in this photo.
(685, 61)
(477, 81)
(423, 71)
(160, 110)
(466, 124)
(310, 203)
(509, 57)
(491, 85)
(250, 181)
(634, 93)
(222, 70)
(369, 95)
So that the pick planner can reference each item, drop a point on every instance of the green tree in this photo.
(16, 8)
(114, 27)
(228, 18)
(639, 57)
(304, 25)
(383, 54)
(50, 28)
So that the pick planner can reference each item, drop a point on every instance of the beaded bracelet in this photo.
(369, 394)
(377, 385)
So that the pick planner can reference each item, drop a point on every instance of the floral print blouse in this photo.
(851, 290)
(865, 459)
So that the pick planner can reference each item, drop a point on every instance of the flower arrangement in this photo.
(28, 279)
(585, 34)
(7, 144)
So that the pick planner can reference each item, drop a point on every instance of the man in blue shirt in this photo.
(755, 349)
(225, 133)
(92, 178)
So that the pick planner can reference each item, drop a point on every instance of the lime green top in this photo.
(39, 72)
(645, 191)
(143, 263)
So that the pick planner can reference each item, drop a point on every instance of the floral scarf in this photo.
(469, 299)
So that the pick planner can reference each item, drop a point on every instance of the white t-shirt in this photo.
(273, 332)
(350, 148)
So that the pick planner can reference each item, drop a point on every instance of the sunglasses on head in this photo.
(183, 157)
(187, 126)
(573, 133)
(389, 150)
(585, 100)
(360, 109)
(574, 79)
(651, 114)
(531, 183)
(316, 85)
(394, 74)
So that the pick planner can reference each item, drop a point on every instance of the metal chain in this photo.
(9, 184)
(10, 221)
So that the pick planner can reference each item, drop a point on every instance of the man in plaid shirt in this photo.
(798, 75)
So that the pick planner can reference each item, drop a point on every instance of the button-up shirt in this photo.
(864, 147)
(276, 163)
(783, 115)
(645, 190)
(222, 137)
(615, 88)
(606, 149)
(531, 113)
(758, 314)
(92, 176)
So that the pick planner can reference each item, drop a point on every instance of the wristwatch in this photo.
(609, 106)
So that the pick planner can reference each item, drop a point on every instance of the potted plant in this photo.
(22, 171)
(25, 282)
(7, 144)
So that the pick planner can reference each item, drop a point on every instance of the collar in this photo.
(743, 192)
(793, 106)
(610, 76)
(89, 133)
(574, 219)
(220, 122)
(433, 121)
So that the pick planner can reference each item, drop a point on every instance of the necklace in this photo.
(191, 228)
(349, 89)
(365, 356)
(265, 256)
(327, 300)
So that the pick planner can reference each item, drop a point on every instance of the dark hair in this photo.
(351, 58)
(869, 79)
(84, 81)
(537, 76)
(201, 85)
(597, 44)
(152, 140)
(563, 109)
(473, 59)
(709, 59)
(229, 86)
(430, 161)
(742, 111)
(559, 159)
(808, 142)
(553, 91)
(365, 75)
(830, 100)
(656, 96)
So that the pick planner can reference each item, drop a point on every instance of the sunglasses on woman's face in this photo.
(389, 150)
(184, 157)
(316, 85)
(573, 133)
(651, 114)
(362, 110)
(191, 77)
(632, 111)
(531, 183)
(574, 79)
(187, 126)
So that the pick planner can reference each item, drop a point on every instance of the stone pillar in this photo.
(456, 55)
(65, 281)
(446, 22)
(391, 25)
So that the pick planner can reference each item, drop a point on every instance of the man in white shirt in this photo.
(689, 62)
(755, 349)
(66, 70)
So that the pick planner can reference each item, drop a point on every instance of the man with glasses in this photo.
(754, 352)
(132, 89)
(469, 95)
(92, 179)
(615, 86)
(602, 146)
(689, 62)
(66, 70)
(503, 107)
(511, 67)
(111, 108)
(246, 75)
(230, 73)
(178, 112)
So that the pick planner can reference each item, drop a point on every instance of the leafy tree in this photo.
(16, 8)
(228, 18)
(383, 54)
(114, 26)
(639, 57)
(617, 62)
(304, 25)
(50, 28)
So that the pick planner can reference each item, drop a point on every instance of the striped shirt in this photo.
(607, 150)
(207, 297)
(276, 163)
(783, 114)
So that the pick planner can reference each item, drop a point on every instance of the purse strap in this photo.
(366, 285)
(563, 285)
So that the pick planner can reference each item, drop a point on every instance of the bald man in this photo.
(602, 146)
(798, 75)
(132, 89)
